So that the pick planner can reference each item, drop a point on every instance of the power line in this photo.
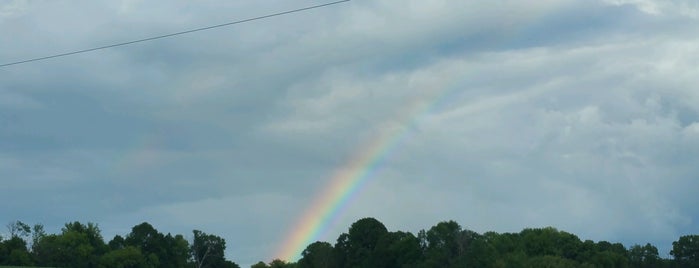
(172, 34)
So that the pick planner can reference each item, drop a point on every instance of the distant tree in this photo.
(117, 242)
(208, 251)
(92, 233)
(367, 244)
(619, 248)
(540, 241)
(644, 256)
(277, 263)
(551, 242)
(609, 259)
(45, 250)
(342, 250)
(3, 251)
(82, 245)
(14, 252)
(443, 245)
(422, 239)
(398, 249)
(177, 249)
(127, 257)
(318, 255)
(38, 233)
(77, 246)
(477, 252)
(18, 229)
(503, 243)
(150, 242)
(363, 236)
(569, 244)
(586, 251)
(259, 265)
(686, 251)
(160, 250)
(516, 259)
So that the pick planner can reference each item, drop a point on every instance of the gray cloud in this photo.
(580, 115)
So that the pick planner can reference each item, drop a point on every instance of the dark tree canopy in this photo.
(318, 255)
(644, 256)
(686, 251)
(82, 245)
(363, 237)
(366, 244)
(448, 245)
(207, 250)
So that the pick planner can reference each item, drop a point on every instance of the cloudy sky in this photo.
(582, 115)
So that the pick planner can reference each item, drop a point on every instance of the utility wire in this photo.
(172, 34)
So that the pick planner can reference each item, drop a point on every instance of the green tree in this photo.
(259, 264)
(398, 249)
(177, 249)
(127, 257)
(686, 251)
(38, 233)
(443, 245)
(540, 242)
(477, 252)
(277, 263)
(503, 243)
(342, 250)
(586, 251)
(208, 251)
(644, 256)
(318, 255)
(92, 233)
(150, 242)
(516, 259)
(78, 245)
(363, 236)
(3, 251)
(117, 242)
(14, 252)
(18, 229)
(551, 242)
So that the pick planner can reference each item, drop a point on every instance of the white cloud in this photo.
(13, 8)
(687, 8)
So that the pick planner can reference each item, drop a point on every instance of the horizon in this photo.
(579, 115)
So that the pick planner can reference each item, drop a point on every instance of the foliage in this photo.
(644, 256)
(368, 243)
(318, 255)
(686, 251)
(127, 257)
(82, 245)
(207, 251)
(276, 263)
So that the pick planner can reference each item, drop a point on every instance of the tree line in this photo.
(367, 244)
(82, 245)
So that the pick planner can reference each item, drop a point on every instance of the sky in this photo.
(581, 115)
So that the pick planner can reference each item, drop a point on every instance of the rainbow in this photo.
(348, 180)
